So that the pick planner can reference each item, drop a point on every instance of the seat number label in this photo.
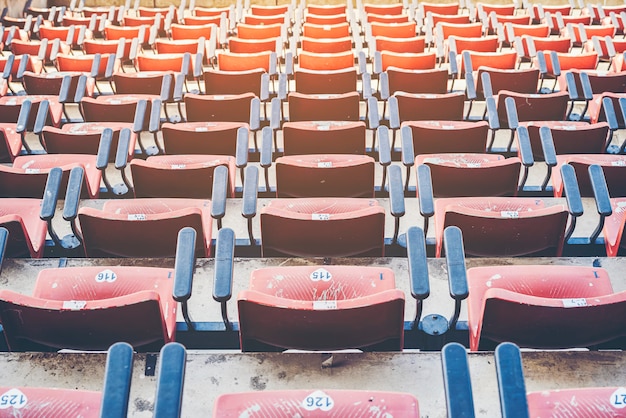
(325, 164)
(324, 305)
(321, 274)
(318, 400)
(320, 216)
(618, 398)
(74, 305)
(106, 276)
(618, 163)
(574, 303)
(137, 217)
(512, 214)
(13, 398)
(178, 166)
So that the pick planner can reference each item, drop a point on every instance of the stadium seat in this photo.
(515, 401)
(317, 402)
(562, 306)
(112, 400)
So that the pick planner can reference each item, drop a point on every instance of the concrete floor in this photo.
(209, 374)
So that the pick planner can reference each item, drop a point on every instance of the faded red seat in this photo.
(321, 308)
(335, 227)
(144, 227)
(544, 306)
(90, 308)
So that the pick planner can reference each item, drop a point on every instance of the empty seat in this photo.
(188, 176)
(472, 174)
(417, 107)
(544, 306)
(310, 107)
(326, 82)
(502, 226)
(592, 401)
(217, 138)
(326, 137)
(325, 175)
(338, 227)
(144, 227)
(307, 403)
(89, 308)
(29, 401)
(321, 308)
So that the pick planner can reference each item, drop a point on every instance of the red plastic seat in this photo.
(32, 48)
(10, 142)
(218, 82)
(326, 61)
(534, 107)
(322, 308)
(84, 138)
(596, 107)
(524, 80)
(434, 137)
(387, 19)
(179, 32)
(605, 400)
(262, 10)
(408, 61)
(219, 108)
(384, 9)
(340, 30)
(230, 61)
(27, 232)
(326, 82)
(544, 307)
(179, 46)
(326, 9)
(90, 308)
(394, 30)
(335, 227)
(440, 8)
(246, 31)
(325, 175)
(537, 31)
(252, 46)
(144, 227)
(10, 109)
(472, 174)
(266, 20)
(189, 176)
(163, 62)
(324, 137)
(327, 45)
(496, 60)
(320, 19)
(413, 44)
(203, 138)
(613, 167)
(113, 108)
(106, 47)
(444, 107)
(466, 30)
(570, 137)
(32, 401)
(28, 175)
(33, 64)
(49, 84)
(129, 32)
(417, 81)
(503, 226)
(309, 107)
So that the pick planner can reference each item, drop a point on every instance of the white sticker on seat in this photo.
(618, 398)
(324, 305)
(13, 398)
(512, 214)
(178, 166)
(318, 400)
(325, 164)
(321, 274)
(574, 303)
(74, 305)
(137, 217)
(320, 216)
(107, 275)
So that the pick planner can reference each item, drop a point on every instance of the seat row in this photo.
(169, 398)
